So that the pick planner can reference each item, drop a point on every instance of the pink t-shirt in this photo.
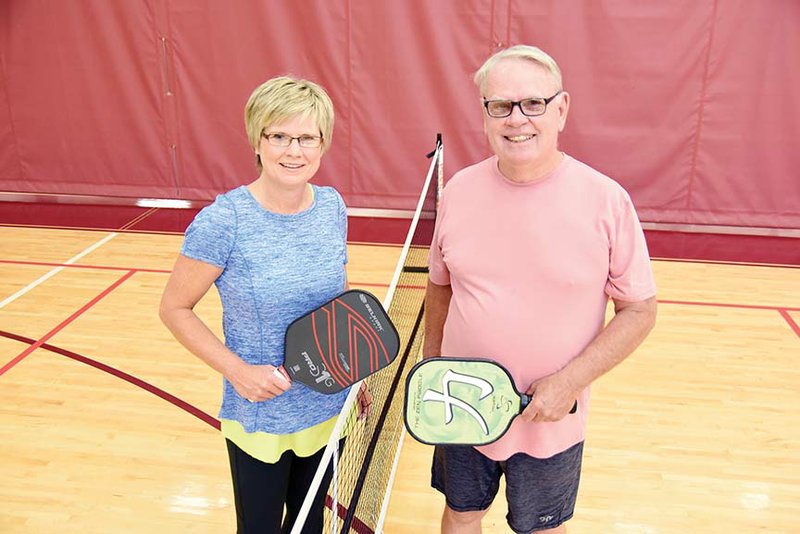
(531, 267)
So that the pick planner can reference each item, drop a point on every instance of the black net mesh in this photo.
(363, 469)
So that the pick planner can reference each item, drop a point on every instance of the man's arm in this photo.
(437, 302)
(554, 395)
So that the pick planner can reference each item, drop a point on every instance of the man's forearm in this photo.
(437, 302)
(626, 331)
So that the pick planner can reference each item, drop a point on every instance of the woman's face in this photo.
(290, 165)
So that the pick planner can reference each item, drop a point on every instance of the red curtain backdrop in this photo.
(692, 105)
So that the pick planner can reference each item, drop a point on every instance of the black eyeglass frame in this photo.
(518, 104)
(316, 138)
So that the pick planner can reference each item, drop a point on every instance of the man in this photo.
(528, 247)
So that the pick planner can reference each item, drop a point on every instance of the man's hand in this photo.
(553, 398)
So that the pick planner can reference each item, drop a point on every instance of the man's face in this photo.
(527, 147)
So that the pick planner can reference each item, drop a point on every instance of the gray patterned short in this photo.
(541, 493)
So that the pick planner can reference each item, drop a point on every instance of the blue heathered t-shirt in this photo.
(276, 268)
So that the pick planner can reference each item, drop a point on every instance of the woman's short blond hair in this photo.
(527, 52)
(283, 98)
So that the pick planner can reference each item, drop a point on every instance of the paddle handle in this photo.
(526, 399)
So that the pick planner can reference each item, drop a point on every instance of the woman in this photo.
(276, 249)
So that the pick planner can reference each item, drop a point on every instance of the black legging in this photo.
(260, 491)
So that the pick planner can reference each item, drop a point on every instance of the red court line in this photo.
(769, 251)
(84, 266)
(721, 262)
(64, 323)
(139, 218)
(726, 305)
(142, 270)
(367, 284)
(172, 399)
(374, 244)
(785, 314)
(372, 284)
(88, 229)
(358, 525)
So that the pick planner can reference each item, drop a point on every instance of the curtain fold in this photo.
(691, 105)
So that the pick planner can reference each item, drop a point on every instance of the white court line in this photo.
(57, 270)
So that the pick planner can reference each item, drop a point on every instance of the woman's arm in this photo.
(190, 281)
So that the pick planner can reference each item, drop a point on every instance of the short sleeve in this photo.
(210, 236)
(630, 276)
(342, 222)
(438, 273)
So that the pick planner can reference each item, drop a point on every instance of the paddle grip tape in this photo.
(526, 399)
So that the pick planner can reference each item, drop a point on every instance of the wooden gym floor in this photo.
(108, 425)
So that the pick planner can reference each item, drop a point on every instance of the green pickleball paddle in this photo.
(454, 401)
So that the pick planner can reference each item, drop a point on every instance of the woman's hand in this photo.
(364, 400)
(260, 382)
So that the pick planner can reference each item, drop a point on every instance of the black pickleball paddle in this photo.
(341, 342)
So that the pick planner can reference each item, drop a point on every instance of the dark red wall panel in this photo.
(690, 104)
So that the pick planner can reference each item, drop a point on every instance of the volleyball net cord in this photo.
(404, 299)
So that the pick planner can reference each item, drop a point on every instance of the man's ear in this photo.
(563, 110)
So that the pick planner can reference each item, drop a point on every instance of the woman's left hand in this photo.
(364, 400)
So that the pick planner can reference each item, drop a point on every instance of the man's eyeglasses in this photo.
(530, 107)
(284, 140)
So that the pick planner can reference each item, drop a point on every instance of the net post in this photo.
(439, 170)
